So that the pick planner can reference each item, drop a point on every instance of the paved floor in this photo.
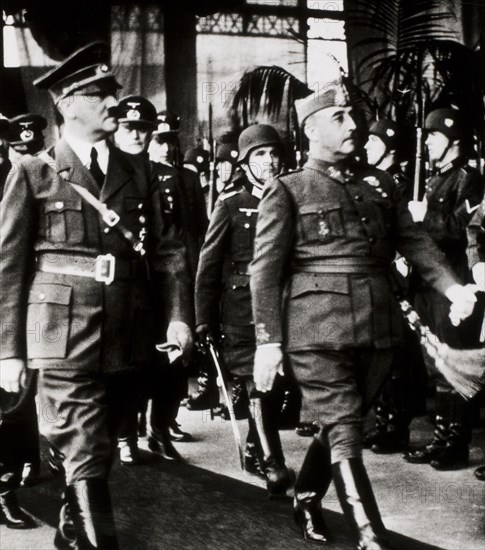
(211, 503)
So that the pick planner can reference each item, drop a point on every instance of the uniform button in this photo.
(140, 205)
(142, 219)
(247, 226)
(441, 199)
(358, 197)
(167, 190)
(248, 214)
(106, 229)
(170, 199)
(233, 287)
(59, 205)
(365, 219)
(41, 296)
(384, 195)
(372, 240)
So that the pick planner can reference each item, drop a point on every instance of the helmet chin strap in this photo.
(258, 182)
(445, 152)
(381, 158)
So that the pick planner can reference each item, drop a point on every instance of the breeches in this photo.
(79, 414)
(338, 388)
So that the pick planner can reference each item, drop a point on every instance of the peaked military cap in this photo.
(387, 130)
(136, 108)
(167, 123)
(26, 128)
(86, 69)
(333, 94)
(199, 157)
(448, 121)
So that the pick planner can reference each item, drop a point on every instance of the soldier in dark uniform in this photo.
(222, 285)
(18, 419)
(326, 236)
(84, 313)
(403, 394)
(453, 194)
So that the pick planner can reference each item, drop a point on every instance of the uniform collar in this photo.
(340, 171)
(458, 161)
(82, 149)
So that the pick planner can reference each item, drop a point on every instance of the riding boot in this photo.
(90, 505)
(278, 477)
(310, 488)
(206, 396)
(65, 537)
(359, 504)
(253, 454)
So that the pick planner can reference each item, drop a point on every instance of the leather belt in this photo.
(342, 265)
(104, 268)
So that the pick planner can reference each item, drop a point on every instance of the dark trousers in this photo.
(80, 413)
(338, 388)
(19, 434)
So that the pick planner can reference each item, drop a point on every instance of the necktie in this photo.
(95, 169)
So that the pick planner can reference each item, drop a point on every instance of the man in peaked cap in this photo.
(137, 118)
(327, 235)
(164, 146)
(84, 313)
(453, 195)
(26, 135)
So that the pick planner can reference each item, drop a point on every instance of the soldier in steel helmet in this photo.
(222, 285)
(326, 235)
(453, 195)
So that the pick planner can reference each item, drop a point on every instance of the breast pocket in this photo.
(65, 221)
(48, 321)
(244, 232)
(236, 301)
(321, 223)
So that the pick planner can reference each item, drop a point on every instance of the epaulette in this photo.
(228, 193)
(290, 173)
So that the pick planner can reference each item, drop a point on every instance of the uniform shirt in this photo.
(222, 294)
(83, 151)
(328, 234)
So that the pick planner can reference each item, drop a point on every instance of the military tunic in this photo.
(328, 234)
(223, 299)
(80, 332)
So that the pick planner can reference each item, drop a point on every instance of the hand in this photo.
(268, 361)
(11, 371)
(462, 300)
(418, 209)
(402, 266)
(180, 333)
(478, 271)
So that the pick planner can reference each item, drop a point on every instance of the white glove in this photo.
(268, 362)
(478, 271)
(179, 333)
(462, 300)
(418, 209)
(402, 266)
(11, 371)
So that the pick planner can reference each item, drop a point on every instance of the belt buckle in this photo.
(110, 217)
(105, 268)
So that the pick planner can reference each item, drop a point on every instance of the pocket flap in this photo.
(134, 203)
(318, 282)
(63, 205)
(237, 280)
(50, 293)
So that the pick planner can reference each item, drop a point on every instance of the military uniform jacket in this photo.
(453, 194)
(183, 204)
(329, 236)
(222, 293)
(66, 321)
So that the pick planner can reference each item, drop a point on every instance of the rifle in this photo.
(212, 161)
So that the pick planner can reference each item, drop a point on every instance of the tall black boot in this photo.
(253, 454)
(380, 427)
(278, 477)
(359, 504)
(455, 454)
(90, 505)
(310, 488)
(206, 396)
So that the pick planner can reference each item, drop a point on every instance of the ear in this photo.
(65, 107)
(309, 128)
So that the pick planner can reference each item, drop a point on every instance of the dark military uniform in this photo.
(453, 194)
(330, 235)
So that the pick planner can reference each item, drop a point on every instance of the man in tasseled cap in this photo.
(84, 312)
(327, 234)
